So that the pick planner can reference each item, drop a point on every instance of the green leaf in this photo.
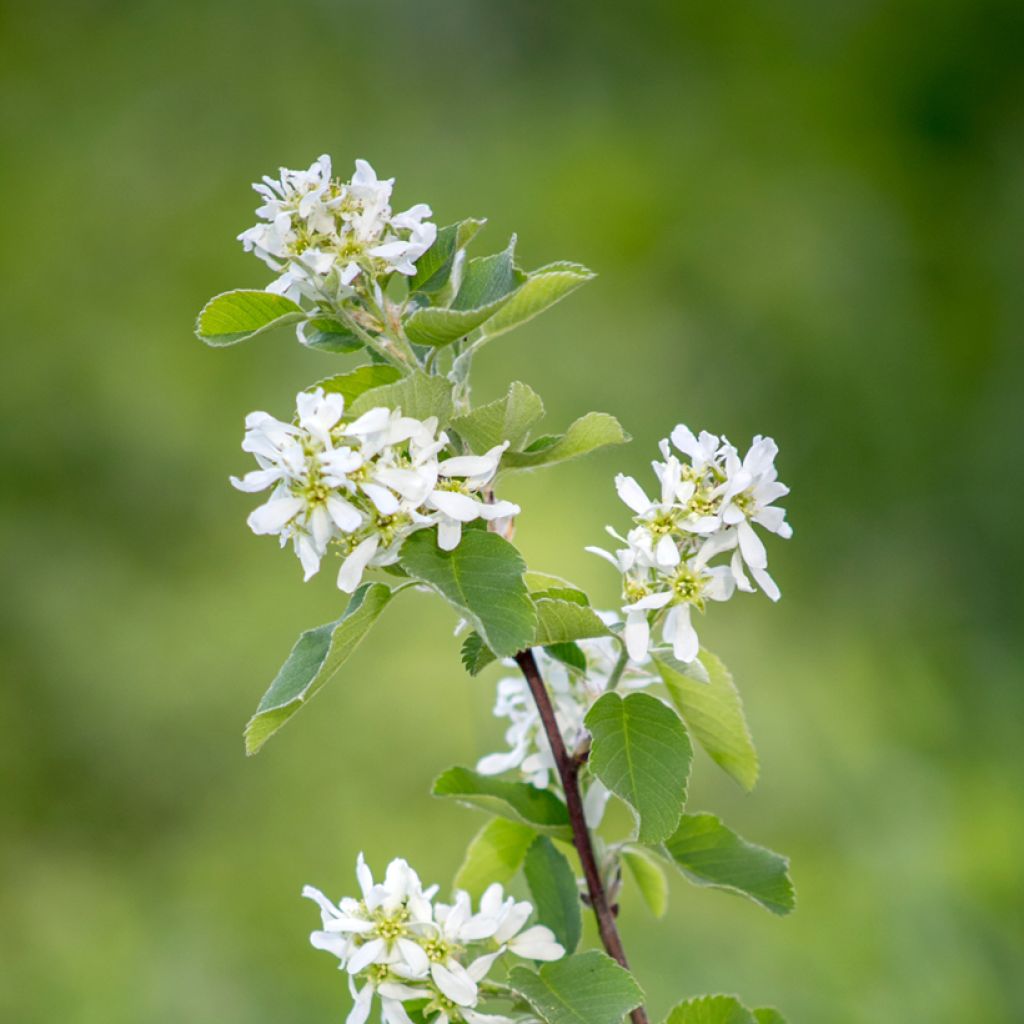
(560, 621)
(238, 315)
(418, 395)
(520, 802)
(508, 419)
(495, 854)
(711, 855)
(570, 654)
(325, 334)
(649, 877)
(434, 267)
(351, 385)
(483, 579)
(642, 753)
(316, 656)
(768, 1015)
(475, 654)
(542, 289)
(713, 710)
(589, 988)
(488, 283)
(552, 885)
(538, 581)
(710, 1010)
(587, 434)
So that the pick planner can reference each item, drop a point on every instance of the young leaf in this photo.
(235, 316)
(508, 419)
(649, 877)
(476, 655)
(364, 378)
(709, 854)
(768, 1015)
(520, 802)
(642, 753)
(714, 712)
(710, 1010)
(434, 267)
(588, 988)
(559, 621)
(587, 434)
(325, 334)
(495, 854)
(489, 282)
(483, 579)
(316, 656)
(538, 581)
(542, 289)
(552, 885)
(417, 395)
(570, 654)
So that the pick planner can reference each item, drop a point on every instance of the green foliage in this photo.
(434, 267)
(315, 658)
(649, 877)
(555, 897)
(709, 854)
(706, 696)
(560, 621)
(570, 654)
(327, 334)
(419, 395)
(642, 753)
(589, 988)
(364, 378)
(768, 1015)
(541, 289)
(483, 579)
(495, 854)
(587, 434)
(711, 1010)
(520, 802)
(475, 654)
(507, 419)
(238, 315)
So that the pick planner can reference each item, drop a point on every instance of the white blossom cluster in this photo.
(709, 503)
(396, 943)
(573, 693)
(363, 485)
(321, 233)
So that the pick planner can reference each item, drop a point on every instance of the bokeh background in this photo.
(807, 221)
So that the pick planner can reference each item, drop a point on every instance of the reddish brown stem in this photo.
(568, 771)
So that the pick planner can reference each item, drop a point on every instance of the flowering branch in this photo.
(568, 771)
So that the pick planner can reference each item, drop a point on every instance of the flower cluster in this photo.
(396, 943)
(363, 485)
(573, 692)
(708, 505)
(321, 233)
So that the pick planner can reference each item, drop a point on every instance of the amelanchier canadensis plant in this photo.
(389, 472)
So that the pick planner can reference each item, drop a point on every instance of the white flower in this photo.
(314, 226)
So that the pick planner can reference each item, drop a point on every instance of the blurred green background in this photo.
(807, 222)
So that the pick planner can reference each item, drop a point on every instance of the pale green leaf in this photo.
(364, 378)
(588, 988)
(649, 877)
(768, 1015)
(706, 696)
(315, 658)
(508, 419)
(559, 621)
(709, 854)
(642, 753)
(542, 289)
(538, 581)
(710, 1010)
(555, 896)
(235, 316)
(419, 395)
(325, 334)
(434, 267)
(520, 802)
(588, 433)
(495, 854)
(483, 579)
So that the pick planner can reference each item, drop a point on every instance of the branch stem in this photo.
(568, 771)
